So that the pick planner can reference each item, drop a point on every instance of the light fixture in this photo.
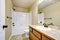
(40, 1)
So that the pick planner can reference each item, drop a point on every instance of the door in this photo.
(19, 22)
(41, 18)
(2, 19)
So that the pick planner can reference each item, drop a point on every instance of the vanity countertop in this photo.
(54, 33)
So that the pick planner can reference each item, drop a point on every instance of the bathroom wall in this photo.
(34, 13)
(20, 9)
(52, 11)
(8, 21)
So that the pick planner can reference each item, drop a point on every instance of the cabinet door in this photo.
(44, 38)
(32, 36)
(37, 34)
(30, 29)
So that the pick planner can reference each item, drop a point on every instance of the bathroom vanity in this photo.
(42, 33)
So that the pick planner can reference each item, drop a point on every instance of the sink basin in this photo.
(43, 28)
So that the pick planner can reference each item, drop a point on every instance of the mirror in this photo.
(49, 12)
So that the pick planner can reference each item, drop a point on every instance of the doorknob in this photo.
(13, 23)
(5, 26)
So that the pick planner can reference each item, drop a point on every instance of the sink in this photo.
(43, 28)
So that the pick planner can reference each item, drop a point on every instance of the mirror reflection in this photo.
(49, 13)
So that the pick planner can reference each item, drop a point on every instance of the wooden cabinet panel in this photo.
(32, 36)
(30, 29)
(44, 38)
(37, 34)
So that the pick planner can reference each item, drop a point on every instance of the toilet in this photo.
(26, 31)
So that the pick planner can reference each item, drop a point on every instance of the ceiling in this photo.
(29, 3)
(23, 3)
(46, 3)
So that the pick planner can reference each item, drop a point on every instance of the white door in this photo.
(41, 18)
(2, 19)
(19, 22)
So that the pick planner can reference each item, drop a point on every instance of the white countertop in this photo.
(54, 33)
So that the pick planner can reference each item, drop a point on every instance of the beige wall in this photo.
(19, 9)
(53, 11)
(8, 8)
(34, 12)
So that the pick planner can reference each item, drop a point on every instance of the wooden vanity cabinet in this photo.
(33, 37)
(36, 35)
(45, 38)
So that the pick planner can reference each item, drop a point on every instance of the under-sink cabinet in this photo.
(34, 34)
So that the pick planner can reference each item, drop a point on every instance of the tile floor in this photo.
(19, 37)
